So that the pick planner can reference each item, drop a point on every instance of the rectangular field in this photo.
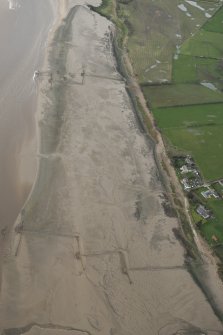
(187, 116)
(215, 24)
(204, 44)
(198, 131)
(180, 94)
(191, 69)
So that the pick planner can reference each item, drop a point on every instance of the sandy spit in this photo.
(93, 251)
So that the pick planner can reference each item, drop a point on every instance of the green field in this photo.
(196, 125)
(180, 94)
(197, 130)
(215, 24)
(156, 28)
(214, 226)
(191, 69)
(204, 44)
(198, 115)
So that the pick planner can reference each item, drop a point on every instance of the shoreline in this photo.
(202, 253)
(26, 151)
(59, 11)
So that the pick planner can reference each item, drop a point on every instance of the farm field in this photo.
(204, 144)
(156, 31)
(182, 117)
(188, 111)
(215, 23)
(191, 69)
(204, 44)
(196, 130)
(180, 95)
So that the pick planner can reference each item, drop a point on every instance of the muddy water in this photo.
(24, 25)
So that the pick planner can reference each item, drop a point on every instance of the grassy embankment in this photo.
(113, 10)
(175, 56)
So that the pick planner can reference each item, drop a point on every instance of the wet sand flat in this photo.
(95, 252)
(24, 27)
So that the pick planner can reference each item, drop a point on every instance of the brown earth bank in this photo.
(93, 251)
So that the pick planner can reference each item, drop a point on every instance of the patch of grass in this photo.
(214, 226)
(151, 66)
(180, 94)
(218, 188)
(184, 69)
(215, 24)
(196, 130)
(195, 216)
(156, 28)
(205, 144)
(189, 116)
(204, 44)
(190, 69)
(219, 253)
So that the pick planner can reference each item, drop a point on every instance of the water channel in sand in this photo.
(24, 25)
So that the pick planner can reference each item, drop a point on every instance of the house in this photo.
(185, 169)
(210, 193)
(201, 210)
(206, 194)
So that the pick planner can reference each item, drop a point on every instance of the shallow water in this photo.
(24, 25)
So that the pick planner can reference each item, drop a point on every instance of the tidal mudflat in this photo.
(24, 26)
(93, 251)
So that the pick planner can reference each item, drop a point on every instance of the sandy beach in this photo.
(93, 251)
